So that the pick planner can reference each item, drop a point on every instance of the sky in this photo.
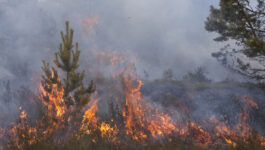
(161, 34)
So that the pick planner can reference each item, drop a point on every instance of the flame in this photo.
(133, 111)
(139, 116)
(22, 133)
(90, 124)
(241, 130)
(141, 119)
(108, 132)
(23, 114)
(55, 100)
(89, 118)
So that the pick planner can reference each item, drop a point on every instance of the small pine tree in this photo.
(67, 59)
(241, 20)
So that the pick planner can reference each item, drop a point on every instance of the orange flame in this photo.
(141, 120)
(55, 100)
(89, 118)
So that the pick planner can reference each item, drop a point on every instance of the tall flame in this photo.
(55, 102)
(141, 119)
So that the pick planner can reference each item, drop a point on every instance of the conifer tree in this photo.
(244, 22)
(66, 59)
(241, 20)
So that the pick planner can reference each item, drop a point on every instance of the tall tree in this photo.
(66, 59)
(243, 21)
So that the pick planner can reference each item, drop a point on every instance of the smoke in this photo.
(160, 34)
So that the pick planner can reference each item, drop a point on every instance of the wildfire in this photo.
(89, 118)
(141, 119)
(108, 132)
(90, 124)
(240, 131)
(55, 102)
(138, 115)
(23, 133)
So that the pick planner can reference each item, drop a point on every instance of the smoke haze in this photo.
(160, 34)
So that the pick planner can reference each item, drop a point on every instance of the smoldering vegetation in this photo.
(148, 96)
(208, 113)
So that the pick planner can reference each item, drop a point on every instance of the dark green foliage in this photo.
(67, 60)
(241, 21)
(50, 77)
(244, 22)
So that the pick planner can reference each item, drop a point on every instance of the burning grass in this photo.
(138, 125)
(130, 121)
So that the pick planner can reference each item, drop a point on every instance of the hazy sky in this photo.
(161, 33)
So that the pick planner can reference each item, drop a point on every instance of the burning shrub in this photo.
(70, 120)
